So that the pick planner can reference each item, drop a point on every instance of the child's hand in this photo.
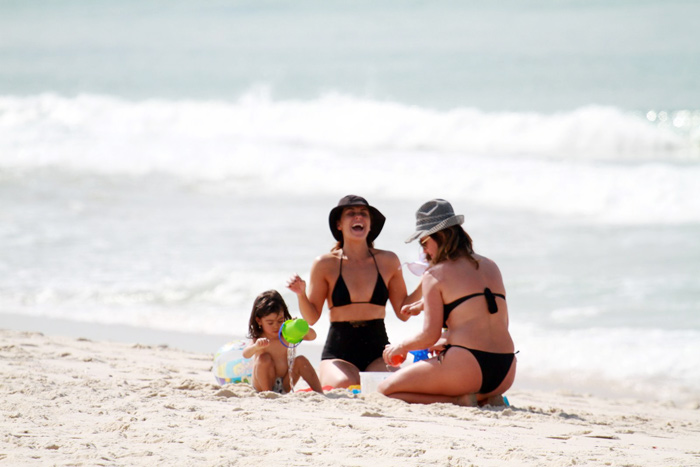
(262, 342)
(296, 284)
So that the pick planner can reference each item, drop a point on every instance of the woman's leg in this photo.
(303, 368)
(338, 373)
(466, 400)
(379, 365)
(454, 379)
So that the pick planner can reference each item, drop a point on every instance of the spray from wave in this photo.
(79, 128)
(595, 163)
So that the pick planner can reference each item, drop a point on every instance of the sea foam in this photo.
(596, 164)
(338, 122)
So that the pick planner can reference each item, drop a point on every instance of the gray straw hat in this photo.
(433, 216)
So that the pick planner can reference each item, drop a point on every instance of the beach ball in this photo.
(230, 366)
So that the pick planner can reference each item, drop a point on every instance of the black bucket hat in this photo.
(377, 219)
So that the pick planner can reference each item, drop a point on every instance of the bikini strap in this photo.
(342, 253)
(375, 260)
(490, 301)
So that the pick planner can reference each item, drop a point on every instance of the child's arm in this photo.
(311, 335)
(255, 347)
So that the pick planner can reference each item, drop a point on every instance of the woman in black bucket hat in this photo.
(355, 280)
(465, 320)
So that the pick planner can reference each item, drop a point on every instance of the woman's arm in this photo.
(310, 305)
(439, 346)
(404, 304)
(413, 304)
(432, 324)
(396, 285)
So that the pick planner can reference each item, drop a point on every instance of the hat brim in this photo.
(449, 222)
(377, 220)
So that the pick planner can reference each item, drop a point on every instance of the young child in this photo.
(270, 365)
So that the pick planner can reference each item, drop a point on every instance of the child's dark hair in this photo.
(266, 303)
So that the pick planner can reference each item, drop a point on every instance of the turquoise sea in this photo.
(161, 163)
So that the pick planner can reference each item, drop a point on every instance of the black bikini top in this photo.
(341, 294)
(490, 302)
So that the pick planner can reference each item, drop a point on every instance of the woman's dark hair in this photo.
(266, 303)
(453, 243)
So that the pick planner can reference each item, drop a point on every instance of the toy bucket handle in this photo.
(279, 334)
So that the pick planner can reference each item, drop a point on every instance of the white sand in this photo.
(68, 401)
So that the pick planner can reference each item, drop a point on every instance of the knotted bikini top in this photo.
(341, 294)
(490, 303)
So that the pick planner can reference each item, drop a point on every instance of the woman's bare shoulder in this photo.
(387, 260)
(326, 260)
(437, 271)
(489, 268)
(486, 263)
(385, 255)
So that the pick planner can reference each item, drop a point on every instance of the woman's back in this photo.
(471, 323)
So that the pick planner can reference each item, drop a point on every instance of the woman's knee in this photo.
(338, 373)
(384, 388)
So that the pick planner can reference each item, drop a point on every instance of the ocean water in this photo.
(161, 163)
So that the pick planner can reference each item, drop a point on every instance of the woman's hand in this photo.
(439, 346)
(296, 284)
(412, 309)
(394, 355)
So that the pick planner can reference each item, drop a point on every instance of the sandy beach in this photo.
(162, 164)
(74, 401)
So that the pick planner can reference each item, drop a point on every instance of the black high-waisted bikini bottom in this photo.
(357, 342)
(494, 366)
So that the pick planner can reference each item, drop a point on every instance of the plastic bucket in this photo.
(369, 380)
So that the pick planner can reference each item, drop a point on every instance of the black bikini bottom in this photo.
(494, 366)
(356, 342)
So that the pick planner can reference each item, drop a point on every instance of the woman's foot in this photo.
(493, 401)
(467, 400)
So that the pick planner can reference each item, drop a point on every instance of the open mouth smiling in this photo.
(358, 227)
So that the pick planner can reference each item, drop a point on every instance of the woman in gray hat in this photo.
(466, 320)
(356, 280)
